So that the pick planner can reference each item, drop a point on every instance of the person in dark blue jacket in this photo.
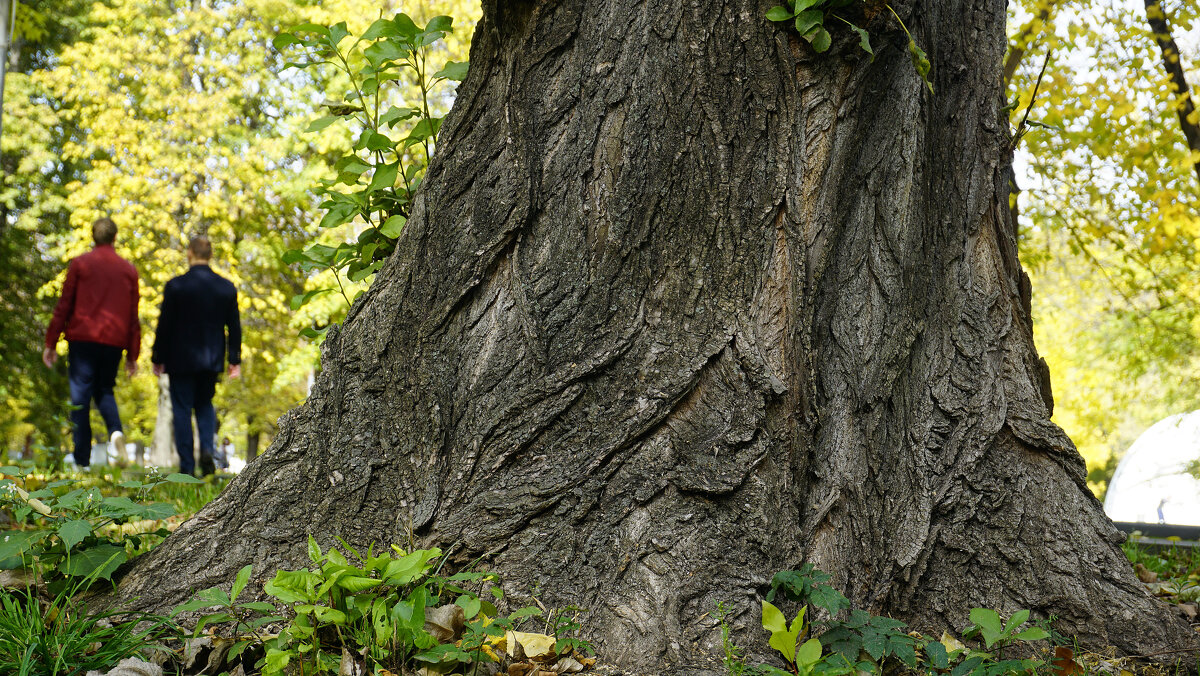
(199, 316)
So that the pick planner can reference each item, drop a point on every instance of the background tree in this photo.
(682, 303)
(1108, 218)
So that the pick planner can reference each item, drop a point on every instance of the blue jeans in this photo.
(92, 373)
(193, 392)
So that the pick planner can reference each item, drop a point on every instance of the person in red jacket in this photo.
(98, 311)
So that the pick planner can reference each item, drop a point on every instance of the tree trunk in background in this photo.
(162, 450)
(683, 304)
(252, 445)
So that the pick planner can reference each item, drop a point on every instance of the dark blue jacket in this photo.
(197, 307)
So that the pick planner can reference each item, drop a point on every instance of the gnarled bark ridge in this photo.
(683, 304)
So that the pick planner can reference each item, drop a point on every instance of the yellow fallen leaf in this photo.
(534, 645)
(951, 643)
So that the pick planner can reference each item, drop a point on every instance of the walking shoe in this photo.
(206, 464)
(116, 446)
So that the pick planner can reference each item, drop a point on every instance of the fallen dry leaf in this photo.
(1145, 574)
(532, 645)
(1064, 663)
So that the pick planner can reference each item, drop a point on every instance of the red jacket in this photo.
(99, 303)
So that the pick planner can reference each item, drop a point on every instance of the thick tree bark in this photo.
(683, 304)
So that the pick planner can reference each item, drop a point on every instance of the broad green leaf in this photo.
(393, 226)
(470, 605)
(214, 618)
(381, 52)
(101, 561)
(177, 478)
(809, 653)
(938, 657)
(1018, 618)
(381, 28)
(779, 13)
(807, 21)
(377, 141)
(396, 114)
(1032, 634)
(453, 70)
(821, 40)
(74, 531)
(408, 29)
(239, 582)
(314, 550)
(385, 176)
(258, 606)
(355, 584)
(301, 299)
(337, 33)
(16, 543)
(988, 622)
(772, 618)
(320, 123)
(331, 615)
(439, 23)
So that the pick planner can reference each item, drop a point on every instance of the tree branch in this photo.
(1185, 108)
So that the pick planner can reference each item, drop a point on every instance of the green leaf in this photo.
(382, 52)
(393, 226)
(453, 70)
(177, 478)
(802, 5)
(779, 13)
(239, 583)
(408, 29)
(1018, 618)
(337, 33)
(384, 177)
(214, 618)
(74, 531)
(470, 605)
(809, 653)
(1032, 634)
(320, 123)
(330, 615)
(936, 652)
(314, 550)
(301, 299)
(101, 561)
(258, 606)
(376, 141)
(396, 114)
(808, 21)
(864, 39)
(16, 543)
(356, 583)
(381, 28)
(772, 618)
(821, 40)
(988, 622)
(439, 23)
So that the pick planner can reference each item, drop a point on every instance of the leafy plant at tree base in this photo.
(865, 643)
(69, 532)
(377, 179)
(390, 611)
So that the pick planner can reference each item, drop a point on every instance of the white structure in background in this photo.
(1151, 484)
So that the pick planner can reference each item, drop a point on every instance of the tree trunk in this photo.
(252, 445)
(682, 304)
(162, 449)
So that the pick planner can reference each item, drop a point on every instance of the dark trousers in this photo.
(92, 372)
(193, 392)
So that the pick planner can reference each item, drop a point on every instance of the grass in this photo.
(57, 637)
(1172, 562)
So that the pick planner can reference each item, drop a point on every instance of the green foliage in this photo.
(376, 179)
(49, 638)
(866, 643)
(811, 17)
(392, 609)
(66, 531)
